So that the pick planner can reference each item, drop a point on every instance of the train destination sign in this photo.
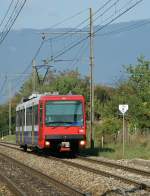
(123, 108)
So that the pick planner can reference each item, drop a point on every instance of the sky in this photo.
(40, 14)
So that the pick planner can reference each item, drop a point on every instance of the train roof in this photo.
(34, 99)
(61, 97)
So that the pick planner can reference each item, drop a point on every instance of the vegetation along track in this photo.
(76, 163)
(32, 181)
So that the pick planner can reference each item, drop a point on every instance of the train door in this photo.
(33, 122)
(41, 143)
(23, 123)
(18, 127)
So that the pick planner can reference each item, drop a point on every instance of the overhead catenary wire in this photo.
(107, 10)
(68, 31)
(125, 28)
(102, 7)
(81, 23)
(4, 84)
(11, 16)
(15, 13)
(29, 66)
(77, 43)
(74, 44)
(10, 5)
(80, 53)
(119, 15)
(114, 13)
(100, 15)
(68, 18)
(11, 20)
(43, 41)
(98, 29)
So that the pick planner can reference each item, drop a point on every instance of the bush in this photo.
(110, 126)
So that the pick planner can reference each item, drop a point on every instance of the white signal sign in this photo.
(123, 108)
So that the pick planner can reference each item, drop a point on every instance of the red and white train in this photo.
(57, 122)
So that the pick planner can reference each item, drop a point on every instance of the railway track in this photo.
(130, 181)
(137, 183)
(116, 165)
(49, 186)
(11, 185)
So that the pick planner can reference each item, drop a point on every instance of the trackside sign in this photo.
(123, 108)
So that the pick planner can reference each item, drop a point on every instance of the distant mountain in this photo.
(114, 46)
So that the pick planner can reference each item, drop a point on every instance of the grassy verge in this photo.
(114, 151)
(9, 138)
(137, 146)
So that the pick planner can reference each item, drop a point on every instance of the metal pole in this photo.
(33, 75)
(9, 107)
(123, 138)
(91, 81)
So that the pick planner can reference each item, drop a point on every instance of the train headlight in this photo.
(82, 143)
(47, 143)
(81, 131)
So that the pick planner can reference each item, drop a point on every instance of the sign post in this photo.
(123, 109)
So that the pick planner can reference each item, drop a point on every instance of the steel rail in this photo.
(143, 186)
(61, 186)
(116, 165)
(104, 173)
(11, 185)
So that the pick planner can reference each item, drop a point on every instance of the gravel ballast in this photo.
(85, 181)
(4, 191)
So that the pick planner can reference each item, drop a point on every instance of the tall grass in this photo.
(136, 146)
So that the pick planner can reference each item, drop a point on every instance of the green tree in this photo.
(139, 100)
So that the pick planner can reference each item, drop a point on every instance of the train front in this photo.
(63, 126)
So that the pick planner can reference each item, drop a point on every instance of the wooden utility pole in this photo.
(91, 36)
(33, 75)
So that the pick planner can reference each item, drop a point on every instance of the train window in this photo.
(20, 120)
(64, 113)
(33, 117)
(23, 117)
(41, 112)
(17, 119)
(29, 116)
(35, 114)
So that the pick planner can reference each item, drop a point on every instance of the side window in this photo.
(30, 119)
(20, 119)
(41, 112)
(33, 117)
(23, 117)
(35, 114)
(29, 116)
(17, 118)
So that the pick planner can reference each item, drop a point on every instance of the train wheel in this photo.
(25, 148)
(75, 148)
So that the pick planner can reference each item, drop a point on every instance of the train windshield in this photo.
(64, 113)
